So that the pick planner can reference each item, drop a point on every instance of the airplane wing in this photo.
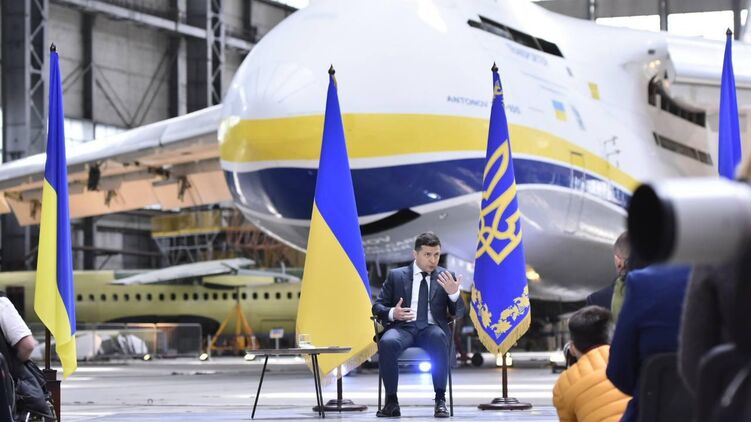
(196, 269)
(252, 278)
(173, 163)
(696, 68)
(699, 61)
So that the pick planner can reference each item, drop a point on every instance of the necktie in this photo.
(422, 303)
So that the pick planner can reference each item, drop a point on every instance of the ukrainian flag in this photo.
(730, 134)
(560, 110)
(54, 300)
(335, 302)
(500, 297)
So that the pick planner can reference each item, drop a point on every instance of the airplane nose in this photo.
(270, 138)
(275, 89)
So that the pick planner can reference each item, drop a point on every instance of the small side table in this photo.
(313, 353)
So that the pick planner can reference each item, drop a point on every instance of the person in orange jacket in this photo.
(583, 393)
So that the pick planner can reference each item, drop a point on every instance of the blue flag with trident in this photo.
(500, 296)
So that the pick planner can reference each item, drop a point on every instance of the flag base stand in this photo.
(505, 402)
(53, 385)
(339, 404)
(342, 405)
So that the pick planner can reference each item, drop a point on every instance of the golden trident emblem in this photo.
(490, 233)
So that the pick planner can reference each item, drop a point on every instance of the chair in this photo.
(416, 354)
(662, 395)
(717, 370)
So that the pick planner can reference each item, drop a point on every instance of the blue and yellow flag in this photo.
(730, 134)
(500, 297)
(335, 302)
(54, 300)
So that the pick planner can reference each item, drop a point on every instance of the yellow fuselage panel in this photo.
(97, 300)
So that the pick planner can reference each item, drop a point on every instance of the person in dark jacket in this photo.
(611, 296)
(648, 325)
(707, 315)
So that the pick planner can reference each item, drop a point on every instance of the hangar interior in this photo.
(126, 63)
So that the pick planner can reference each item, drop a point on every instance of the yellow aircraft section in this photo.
(265, 304)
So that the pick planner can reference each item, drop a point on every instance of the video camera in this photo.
(691, 220)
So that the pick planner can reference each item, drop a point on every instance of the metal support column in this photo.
(24, 97)
(89, 243)
(592, 9)
(248, 28)
(737, 28)
(179, 73)
(89, 76)
(24, 40)
(215, 38)
(205, 56)
(663, 9)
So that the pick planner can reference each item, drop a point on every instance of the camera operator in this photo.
(705, 222)
(709, 311)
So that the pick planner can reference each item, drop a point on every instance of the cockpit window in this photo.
(519, 37)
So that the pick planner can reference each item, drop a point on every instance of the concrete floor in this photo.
(224, 389)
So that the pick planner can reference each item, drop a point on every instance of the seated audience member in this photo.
(707, 314)
(583, 393)
(16, 332)
(648, 325)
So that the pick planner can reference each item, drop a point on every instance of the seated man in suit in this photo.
(648, 325)
(418, 299)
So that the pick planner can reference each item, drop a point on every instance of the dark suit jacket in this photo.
(707, 317)
(398, 284)
(648, 325)
(602, 297)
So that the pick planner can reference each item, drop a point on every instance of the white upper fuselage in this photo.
(415, 87)
(592, 112)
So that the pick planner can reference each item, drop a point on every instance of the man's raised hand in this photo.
(449, 283)
(402, 314)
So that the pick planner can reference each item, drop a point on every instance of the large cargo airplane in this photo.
(592, 111)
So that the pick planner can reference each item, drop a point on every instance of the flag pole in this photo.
(505, 402)
(47, 342)
(500, 313)
(340, 404)
(335, 191)
(50, 375)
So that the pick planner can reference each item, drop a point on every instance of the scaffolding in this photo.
(194, 236)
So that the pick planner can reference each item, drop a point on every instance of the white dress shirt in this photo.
(416, 279)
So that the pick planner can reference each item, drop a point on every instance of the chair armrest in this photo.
(378, 328)
(452, 325)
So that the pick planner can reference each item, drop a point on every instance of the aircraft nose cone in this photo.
(275, 90)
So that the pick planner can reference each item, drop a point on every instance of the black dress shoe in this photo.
(440, 409)
(391, 410)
